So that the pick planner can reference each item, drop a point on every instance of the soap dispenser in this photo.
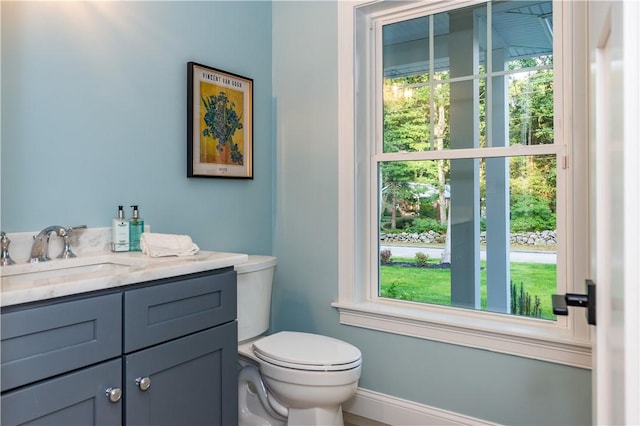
(120, 232)
(136, 228)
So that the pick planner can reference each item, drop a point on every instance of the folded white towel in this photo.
(159, 245)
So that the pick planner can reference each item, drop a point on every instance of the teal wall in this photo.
(486, 385)
(93, 115)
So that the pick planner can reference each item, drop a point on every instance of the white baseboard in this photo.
(401, 412)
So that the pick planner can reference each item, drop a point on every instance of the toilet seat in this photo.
(306, 351)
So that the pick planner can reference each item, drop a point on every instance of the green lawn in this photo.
(433, 285)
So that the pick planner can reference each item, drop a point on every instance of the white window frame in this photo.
(565, 341)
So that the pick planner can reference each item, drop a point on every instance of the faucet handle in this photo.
(66, 250)
(5, 258)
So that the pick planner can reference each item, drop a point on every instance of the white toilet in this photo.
(287, 378)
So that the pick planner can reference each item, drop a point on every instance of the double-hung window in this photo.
(461, 187)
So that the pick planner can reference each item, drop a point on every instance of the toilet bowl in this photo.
(290, 378)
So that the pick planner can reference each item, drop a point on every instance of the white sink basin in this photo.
(27, 282)
(55, 272)
(64, 272)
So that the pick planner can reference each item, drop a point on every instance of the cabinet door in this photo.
(191, 381)
(78, 398)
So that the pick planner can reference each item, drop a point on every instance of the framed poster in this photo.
(219, 123)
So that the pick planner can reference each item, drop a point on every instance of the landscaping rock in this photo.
(543, 238)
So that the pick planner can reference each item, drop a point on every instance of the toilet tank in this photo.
(255, 280)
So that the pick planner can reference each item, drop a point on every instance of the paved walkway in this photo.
(435, 252)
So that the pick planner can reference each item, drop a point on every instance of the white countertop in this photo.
(23, 282)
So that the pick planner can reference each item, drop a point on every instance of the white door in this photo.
(614, 131)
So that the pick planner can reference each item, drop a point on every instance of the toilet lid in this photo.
(305, 351)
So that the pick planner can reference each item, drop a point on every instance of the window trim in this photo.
(565, 341)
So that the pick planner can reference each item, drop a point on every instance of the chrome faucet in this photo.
(5, 259)
(40, 248)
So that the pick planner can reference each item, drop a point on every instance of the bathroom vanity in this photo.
(152, 344)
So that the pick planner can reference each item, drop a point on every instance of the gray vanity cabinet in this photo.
(181, 352)
(41, 349)
(184, 382)
(77, 398)
(156, 353)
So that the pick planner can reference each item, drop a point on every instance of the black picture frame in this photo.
(219, 123)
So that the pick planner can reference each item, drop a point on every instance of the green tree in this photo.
(408, 123)
(533, 180)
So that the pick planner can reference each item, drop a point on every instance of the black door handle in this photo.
(588, 301)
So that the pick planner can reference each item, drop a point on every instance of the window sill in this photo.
(536, 339)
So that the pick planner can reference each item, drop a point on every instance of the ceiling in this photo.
(521, 29)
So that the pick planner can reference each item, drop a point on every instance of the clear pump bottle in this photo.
(136, 228)
(120, 232)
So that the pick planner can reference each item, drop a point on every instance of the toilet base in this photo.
(251, 410)
(271, 395)
(315, 416)
(252, 413)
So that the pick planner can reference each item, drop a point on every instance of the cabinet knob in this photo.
(114, 394)
(143, 383)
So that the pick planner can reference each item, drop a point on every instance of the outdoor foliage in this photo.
(394, 291)
(530, 214)
(413, 194)
(427, 224)
(523, 304)
(413, 123)
(421, 259)
(385, 257)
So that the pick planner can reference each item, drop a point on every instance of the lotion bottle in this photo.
(120, 232)
(136, 228)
